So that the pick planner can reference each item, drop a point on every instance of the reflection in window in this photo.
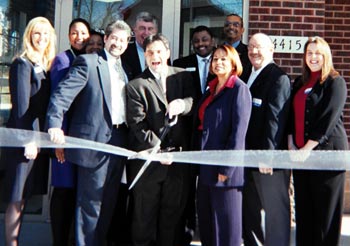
(210, 13)
(100, 13)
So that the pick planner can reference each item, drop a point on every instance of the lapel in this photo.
(261, 77)
(104, 78)
(155, 87)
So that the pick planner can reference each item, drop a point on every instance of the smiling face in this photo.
(260, 50)
(40, 37)
(95, 44)
(203, 43)
(143, 29)
(78, 35)
(233, 29)
(156, 56)
(221, 64)
(314, 58)
(117, 42)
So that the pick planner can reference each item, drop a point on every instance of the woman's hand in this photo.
(222, 178)
(60, 155)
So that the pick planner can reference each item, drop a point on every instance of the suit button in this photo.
(306, 134)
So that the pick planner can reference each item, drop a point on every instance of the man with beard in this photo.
(233, 31)
(94, 92)
(203, 43)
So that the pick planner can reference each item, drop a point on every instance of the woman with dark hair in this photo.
(319, 97)
(26, 171)
(223, 118)
(95, 43)
(63, 178)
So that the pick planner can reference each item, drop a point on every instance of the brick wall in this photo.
(329, 19)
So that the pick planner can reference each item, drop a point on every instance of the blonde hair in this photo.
(327, 67)
(27, 46)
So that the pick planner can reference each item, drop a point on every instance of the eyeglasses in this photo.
(234, 23)
(251, 47)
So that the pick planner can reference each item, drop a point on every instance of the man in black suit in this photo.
(266, 189)
(233, 31)
(145, 24)
(94, 92)
(159, 195)
(203, 43)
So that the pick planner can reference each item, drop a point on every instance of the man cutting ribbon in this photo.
(159, 195)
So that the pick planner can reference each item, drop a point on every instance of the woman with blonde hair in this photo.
(318, 101)
(27, 168)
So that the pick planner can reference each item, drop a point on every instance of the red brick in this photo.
(296, 19)
(270, 18)
(313, 5)
(303, 12)
(292, 4)
(301, 26)
(259, 11)
(271, 3)
(281, 11)
(281, 25)
(313, 19)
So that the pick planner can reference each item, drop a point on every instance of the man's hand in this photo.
(56, 135)
(265, 169)
(176, 107)
(30, 151)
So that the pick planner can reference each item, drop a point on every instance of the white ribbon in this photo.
(284, 159)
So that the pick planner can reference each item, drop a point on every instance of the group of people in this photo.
(121, 91)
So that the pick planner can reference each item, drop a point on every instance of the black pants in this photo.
(62, 207)
(318, 206)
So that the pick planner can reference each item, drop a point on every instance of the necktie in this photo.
(204, 74)
(120, 70)
(162, 82)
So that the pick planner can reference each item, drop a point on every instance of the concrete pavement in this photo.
(39, 234)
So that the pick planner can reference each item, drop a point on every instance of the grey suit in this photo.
(86, 91)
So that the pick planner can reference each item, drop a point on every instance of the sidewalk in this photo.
(39, 234)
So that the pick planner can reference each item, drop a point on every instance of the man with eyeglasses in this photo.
(233, 31)
(266, 203)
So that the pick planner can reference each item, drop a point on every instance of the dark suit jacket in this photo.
(190, 62)
(87, 90)
(224, 128)
(242, 50)
(271, 100)
(324, 114)
(131, 59)
(147, 105)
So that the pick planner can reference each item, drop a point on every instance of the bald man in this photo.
(266, 189)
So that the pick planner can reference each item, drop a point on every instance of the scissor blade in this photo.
(145, 165)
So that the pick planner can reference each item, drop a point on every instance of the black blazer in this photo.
(324, 114)
(270, 92)
(130, 58)
(242, 50)
(190, 63)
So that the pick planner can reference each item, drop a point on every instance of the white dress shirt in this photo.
(118, 95)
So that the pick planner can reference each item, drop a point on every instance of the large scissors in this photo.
(168, 124)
